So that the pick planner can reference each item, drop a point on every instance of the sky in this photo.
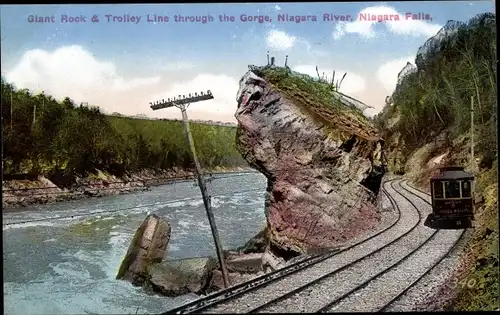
(130, 55)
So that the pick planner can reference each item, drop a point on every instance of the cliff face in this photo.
(322, 159)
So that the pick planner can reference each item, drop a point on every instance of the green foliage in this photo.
(437, 97)
(42, 136)
(315, 94)
(321, 92)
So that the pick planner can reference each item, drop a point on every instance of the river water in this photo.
(63, 258)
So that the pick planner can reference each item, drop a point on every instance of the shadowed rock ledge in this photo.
(322, 160)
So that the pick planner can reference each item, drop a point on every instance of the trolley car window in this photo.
(438, 189)
(466, 189)
(452, 189)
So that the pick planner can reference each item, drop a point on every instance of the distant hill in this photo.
(199, 121)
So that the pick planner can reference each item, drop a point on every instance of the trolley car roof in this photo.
(452, 172)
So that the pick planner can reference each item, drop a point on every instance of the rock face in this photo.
(256, 244)
(323, 163)
(148, 247)
(181, 277)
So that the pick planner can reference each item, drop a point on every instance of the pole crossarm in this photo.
(181, 100)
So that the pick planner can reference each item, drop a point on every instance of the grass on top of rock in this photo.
(316, 97)
(301, 85)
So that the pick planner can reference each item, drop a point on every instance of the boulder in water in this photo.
(148, 247)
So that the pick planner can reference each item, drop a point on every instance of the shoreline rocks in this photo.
(181, 277)
(17, 193)
(143, 264)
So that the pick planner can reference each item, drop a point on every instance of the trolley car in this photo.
(452, 193)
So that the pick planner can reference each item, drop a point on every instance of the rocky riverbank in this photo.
(40, 189)
(143, 265)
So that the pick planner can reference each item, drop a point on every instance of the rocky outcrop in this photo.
(147, 248)
(143, 264)
(256, 244)
(175, 278)
(322, 161)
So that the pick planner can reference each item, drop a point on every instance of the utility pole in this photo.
(472, 129)
(472, 133)
(183, 102)
(34, 114)
(11, 111)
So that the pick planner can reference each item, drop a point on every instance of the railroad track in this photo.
(264, 281)
(381, 291)
(319, 284)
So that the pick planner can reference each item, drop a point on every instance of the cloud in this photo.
(176, 66)
(397, 24)
(352, 83)
(223, 106)
(279, 40)
(277, 8)
(387, 74)
(71, 71)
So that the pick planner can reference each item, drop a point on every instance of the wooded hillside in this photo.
(430, 109)
(453, 68)
(42, 135)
